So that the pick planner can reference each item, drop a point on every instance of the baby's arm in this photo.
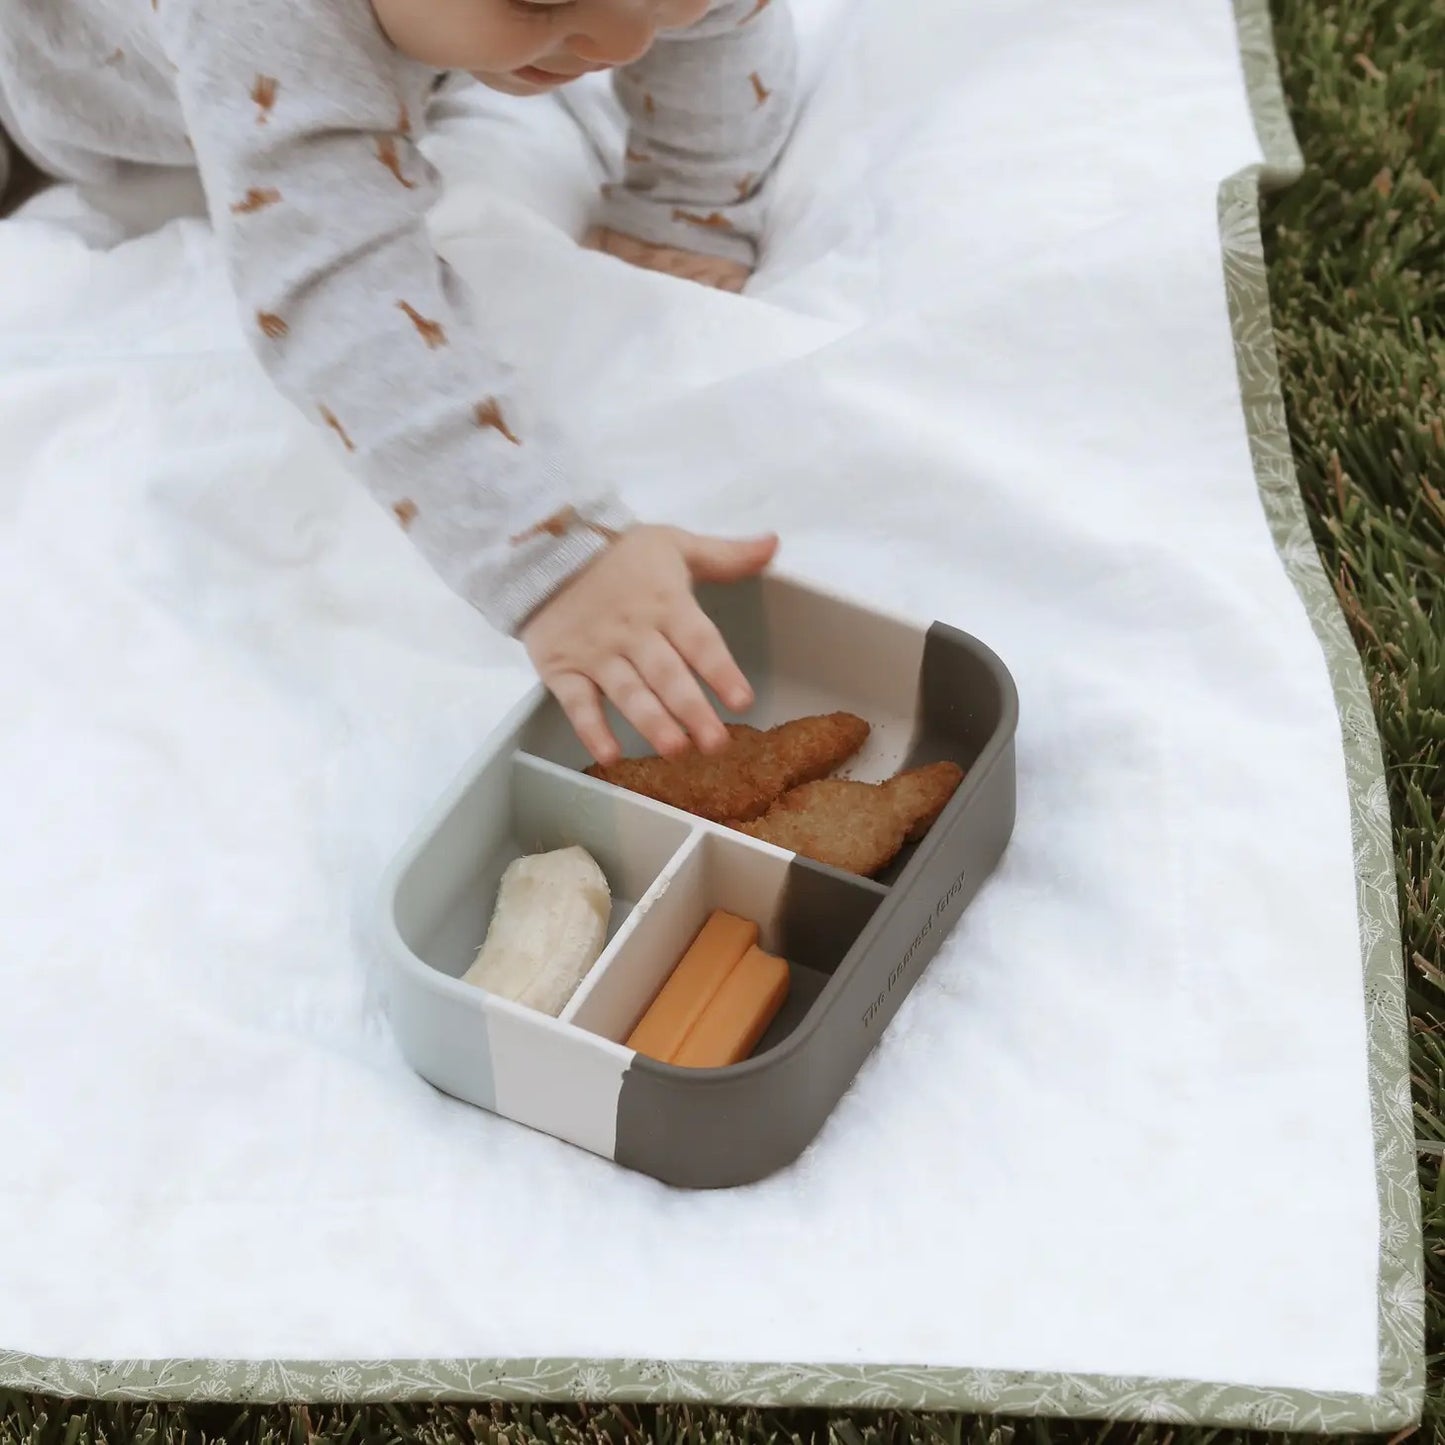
(709, 109)
(302, 118)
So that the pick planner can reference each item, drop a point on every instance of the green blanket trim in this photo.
(1400, 1395)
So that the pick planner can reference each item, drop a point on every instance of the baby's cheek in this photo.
(462, 34)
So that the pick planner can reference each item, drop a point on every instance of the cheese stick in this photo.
(714, 954)
(738, 1015)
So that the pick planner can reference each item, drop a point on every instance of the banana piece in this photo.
(549, 927)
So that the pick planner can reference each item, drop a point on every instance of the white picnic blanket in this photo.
(1122, 1126)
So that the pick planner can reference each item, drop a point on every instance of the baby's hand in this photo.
(716, 271)
(628, 628)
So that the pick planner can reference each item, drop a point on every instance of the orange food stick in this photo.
(714, 954)
(738, 1015)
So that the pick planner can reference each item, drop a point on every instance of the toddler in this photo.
(302, 117)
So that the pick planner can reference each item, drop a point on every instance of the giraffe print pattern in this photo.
(559, 524)
(716, 221)
(329, 417)
(390, 157)
(432, 332)
(256, 199)
(263, 95)
(488, 416)
(273, 327)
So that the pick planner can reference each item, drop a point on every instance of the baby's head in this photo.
(528, 47)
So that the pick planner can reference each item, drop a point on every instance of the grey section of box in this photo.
(855, 947)
(719, 1128)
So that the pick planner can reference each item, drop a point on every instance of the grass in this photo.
(1357, 257)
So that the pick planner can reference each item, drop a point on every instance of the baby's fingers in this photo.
(579, 699)
(658, 664)
(637, 702)
(702, 648)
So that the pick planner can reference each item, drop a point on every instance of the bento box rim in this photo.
(895, 896)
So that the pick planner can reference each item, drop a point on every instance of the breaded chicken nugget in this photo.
(751, 774)
(857, 827)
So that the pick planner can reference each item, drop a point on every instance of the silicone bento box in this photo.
(854, 946)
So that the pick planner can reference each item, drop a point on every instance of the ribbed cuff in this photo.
(538, 568)
(657, 222)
